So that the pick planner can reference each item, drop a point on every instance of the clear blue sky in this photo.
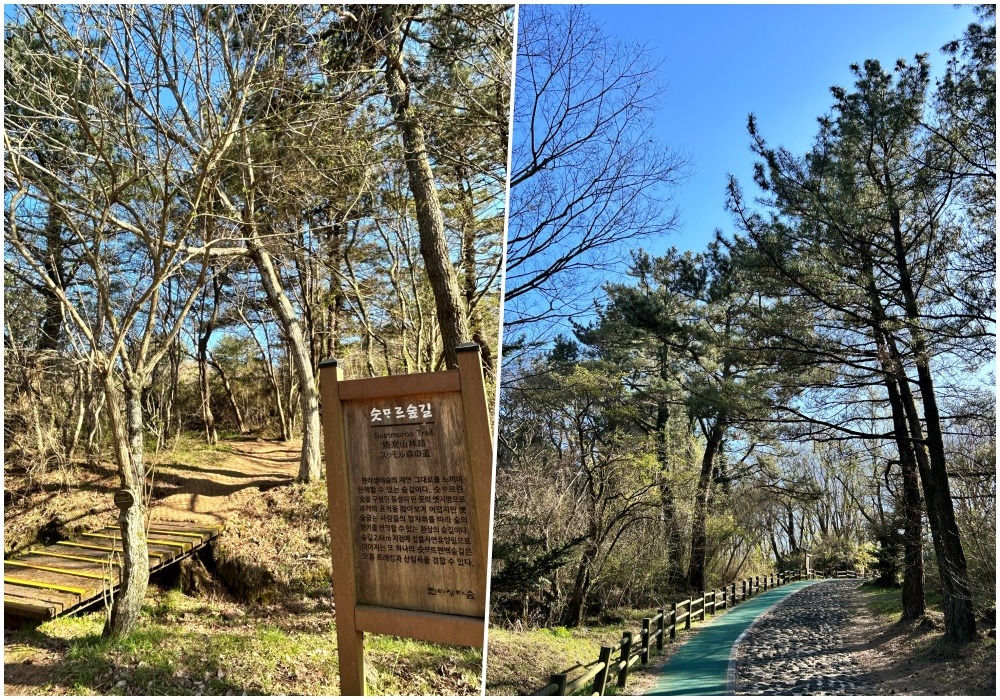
(721, 62)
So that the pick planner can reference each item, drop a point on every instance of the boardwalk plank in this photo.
(47, 582)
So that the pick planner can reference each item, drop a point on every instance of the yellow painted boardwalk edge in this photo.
(56, 570)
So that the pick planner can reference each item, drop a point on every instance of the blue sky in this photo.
(721, 62)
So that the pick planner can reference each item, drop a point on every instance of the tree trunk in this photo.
(430, 221)
(668, 505)
(211, 434)
(127, 432)
(959, 614)
(577, 610)
(913, 554)
(50, 337)
(699, 536)
(241, 425)
(310, 464)
(910, 451)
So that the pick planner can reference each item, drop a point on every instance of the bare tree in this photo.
(130, 195)
(587, 175)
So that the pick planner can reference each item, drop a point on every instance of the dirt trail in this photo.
(201, 492)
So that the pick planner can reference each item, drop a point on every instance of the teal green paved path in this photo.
(700, 665)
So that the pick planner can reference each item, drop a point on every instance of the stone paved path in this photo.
(801, 647)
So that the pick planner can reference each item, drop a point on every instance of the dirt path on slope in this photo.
(191, 483)
(201, 489)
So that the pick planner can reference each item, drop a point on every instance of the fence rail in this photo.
(613, 664)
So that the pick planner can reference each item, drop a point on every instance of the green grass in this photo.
(520, 662)
(185, 646)
(888, 602)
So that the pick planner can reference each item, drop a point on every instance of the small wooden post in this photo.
(744, 582)
(673, 621)
(756, 588)
(601, 679)
(725, 604)
(687, 620)
(732, 592)
(560, 680)
(623, 659)
(644, 654)
(659, 637)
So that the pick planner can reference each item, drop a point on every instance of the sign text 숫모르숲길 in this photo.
(409, 461)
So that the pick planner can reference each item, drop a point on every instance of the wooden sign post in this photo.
(408, 472)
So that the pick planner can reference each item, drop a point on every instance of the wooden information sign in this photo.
(408, 471)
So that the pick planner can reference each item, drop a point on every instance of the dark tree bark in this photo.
(668, 503)
(430, 221)
(912, 509)
(241, 425)
(959, 614)
(208, 418)
(699, 539)
(577, 609)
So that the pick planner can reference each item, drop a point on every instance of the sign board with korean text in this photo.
(409, 463)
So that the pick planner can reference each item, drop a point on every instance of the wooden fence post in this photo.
(732, 592)
(644, 654)
(659, 637)
(725, 605)
(560, 680)
(673, 621)
(687, 620)
(756, 588)
(601, 679)
(744, 597)
(623, 659)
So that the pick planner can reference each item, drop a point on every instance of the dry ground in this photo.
(913, 658)
(271, 631)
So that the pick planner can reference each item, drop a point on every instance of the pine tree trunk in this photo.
(430, 221)
(576, 612)
(959, 614)
(668, 505)
(913, 555)
(699, 535)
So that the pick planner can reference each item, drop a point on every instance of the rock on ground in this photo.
(804, 646)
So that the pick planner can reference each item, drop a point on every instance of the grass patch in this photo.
(399, 666)
(887, 603)
(187, 646)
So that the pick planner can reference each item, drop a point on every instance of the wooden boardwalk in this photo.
(73, 574)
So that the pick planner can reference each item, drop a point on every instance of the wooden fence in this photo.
(613, 664)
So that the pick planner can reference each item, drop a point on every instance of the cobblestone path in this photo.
(801, 647)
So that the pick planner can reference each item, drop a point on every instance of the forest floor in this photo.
(270, 629)
(913, 658)
(899, 658)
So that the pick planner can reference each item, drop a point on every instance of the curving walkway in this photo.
(701, 664)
